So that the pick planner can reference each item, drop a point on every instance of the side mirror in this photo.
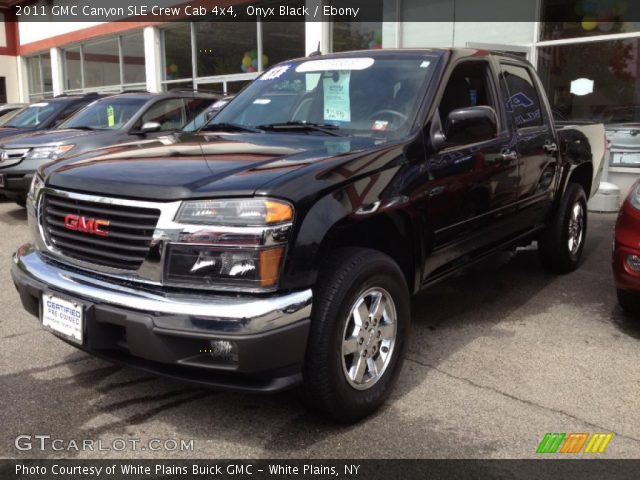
(470, 125)
(149, 127)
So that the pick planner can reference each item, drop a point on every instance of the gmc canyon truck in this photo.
(279, 245)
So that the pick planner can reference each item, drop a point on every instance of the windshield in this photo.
(34, 115)
(7, 118)
(108, 114)
(361, 96)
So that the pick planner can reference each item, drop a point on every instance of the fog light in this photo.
(633, 262)
(224, 350)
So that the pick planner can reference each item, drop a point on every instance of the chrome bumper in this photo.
(190, 313)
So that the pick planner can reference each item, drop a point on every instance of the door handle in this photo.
(508, 157)
(550, 147)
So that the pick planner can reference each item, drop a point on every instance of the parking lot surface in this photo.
(498, 357)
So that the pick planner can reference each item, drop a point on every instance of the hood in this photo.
(182, 166)
(10, 132)
(50, 138)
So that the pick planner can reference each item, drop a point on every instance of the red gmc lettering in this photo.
(92, 226)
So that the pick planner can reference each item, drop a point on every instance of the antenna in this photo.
(317, 52)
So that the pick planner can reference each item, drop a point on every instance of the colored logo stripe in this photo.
(598, 442)
(573, 442)
(550, 443)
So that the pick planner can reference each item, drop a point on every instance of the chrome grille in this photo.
(130, 231)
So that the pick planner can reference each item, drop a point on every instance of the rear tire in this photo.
(359, 325)
(629, 302)
(561, 243)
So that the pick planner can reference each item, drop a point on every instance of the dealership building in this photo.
(589, 62)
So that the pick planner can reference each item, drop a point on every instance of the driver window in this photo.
(170, 114)
(467, 87)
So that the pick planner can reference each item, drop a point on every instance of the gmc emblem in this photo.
(93, 226)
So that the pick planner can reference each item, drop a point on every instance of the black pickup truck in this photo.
(280, 244)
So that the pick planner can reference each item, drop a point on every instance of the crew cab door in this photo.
(472, 187)
(536, 142)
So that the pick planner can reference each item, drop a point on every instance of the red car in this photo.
(626, 252)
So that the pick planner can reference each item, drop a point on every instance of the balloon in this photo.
(250, 69)
(605, 21)
(253, 53)
(265, 60)
(254, 63)
(589, 23)
(377, 37)
(246, 61)
(243, 67)
(173, 68)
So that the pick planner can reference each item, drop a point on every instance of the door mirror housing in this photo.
(470, 125)
(149, 127)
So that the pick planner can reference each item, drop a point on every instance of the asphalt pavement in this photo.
(499, 356)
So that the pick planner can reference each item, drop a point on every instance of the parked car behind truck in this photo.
(116, 119)
(280, 245)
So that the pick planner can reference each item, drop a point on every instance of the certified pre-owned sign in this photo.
(46, 442)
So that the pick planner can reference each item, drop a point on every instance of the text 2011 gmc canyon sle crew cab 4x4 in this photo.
(280, 244)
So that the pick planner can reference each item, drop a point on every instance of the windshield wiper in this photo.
(83, 127)
(327, 129)
(213, 127)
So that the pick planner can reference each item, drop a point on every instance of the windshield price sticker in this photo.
(41, 104)
(111, 117)
(275, 73)
(337, 105)
(361, 63)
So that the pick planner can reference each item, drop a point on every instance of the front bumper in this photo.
(170, 333)
(16, 185)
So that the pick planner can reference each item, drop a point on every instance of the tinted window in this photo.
(170, 114)
(523, 101)
(34, 115)
(107, 114)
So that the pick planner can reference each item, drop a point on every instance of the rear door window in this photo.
(522, 97)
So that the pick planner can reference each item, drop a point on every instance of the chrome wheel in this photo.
(369, 338)
(576, 228)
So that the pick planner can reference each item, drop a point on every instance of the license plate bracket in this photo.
(62, 317)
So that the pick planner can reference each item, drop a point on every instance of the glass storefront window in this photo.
(101, 63)
(282, 41)
(598, 81)
(356, 36)
(39, 76)
(35, 75)
(177, 52)
(226, 48)
(73, 65)
(133, 59)
(586, 18)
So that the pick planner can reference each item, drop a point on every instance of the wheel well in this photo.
(391, 235)
(583, 175)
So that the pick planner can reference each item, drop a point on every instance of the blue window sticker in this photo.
(275, 72)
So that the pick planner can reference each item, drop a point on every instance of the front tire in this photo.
(359, 325)
(561, 243)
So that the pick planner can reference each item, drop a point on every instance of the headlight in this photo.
(234, 244)
(252, 269)
(49, 153)
(244, 212)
